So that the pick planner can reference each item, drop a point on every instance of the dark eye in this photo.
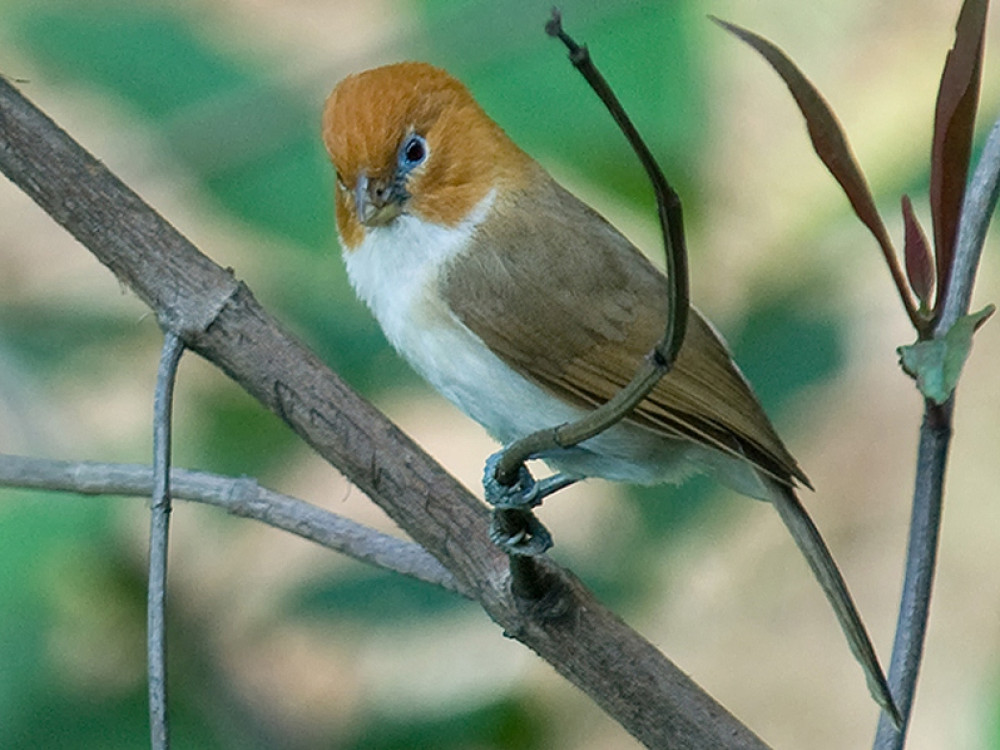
(412, 152)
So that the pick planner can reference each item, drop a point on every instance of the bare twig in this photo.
(921, 557)
(159, 533)
(241, 496)
(935, 437)
(661, 358)
(220, 319)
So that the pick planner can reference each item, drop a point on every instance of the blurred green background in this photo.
(210, 110)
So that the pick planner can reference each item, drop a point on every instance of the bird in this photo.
(526, 308)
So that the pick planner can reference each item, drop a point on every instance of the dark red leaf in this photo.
(954, 118)
(916, 251)
(831, 145)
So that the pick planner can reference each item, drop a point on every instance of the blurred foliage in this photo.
(43, 535)
(51, 339)
(505, 725)
(252, 144)
(649, 51)
(782, 352)
(373, 596)
(250, 139)
(265, 442)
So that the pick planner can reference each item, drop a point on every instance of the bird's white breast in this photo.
(395, 271)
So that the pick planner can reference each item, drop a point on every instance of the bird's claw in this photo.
(526, 492)
(514, 528)
(517, 532)
(522, 494)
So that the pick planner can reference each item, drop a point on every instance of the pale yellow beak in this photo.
(377, 202)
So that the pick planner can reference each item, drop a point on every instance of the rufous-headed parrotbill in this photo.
(526, 308)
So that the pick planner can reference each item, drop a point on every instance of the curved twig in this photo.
(661, 358)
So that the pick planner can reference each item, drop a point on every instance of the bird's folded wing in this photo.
(573, 306)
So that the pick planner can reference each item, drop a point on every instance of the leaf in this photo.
(831, 145)
(954, 118)
(937, 363)
(916, 251)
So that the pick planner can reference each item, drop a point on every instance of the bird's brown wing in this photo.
(575, 307)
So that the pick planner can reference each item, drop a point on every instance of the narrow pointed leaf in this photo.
(954, 118)
(937, 363)
(917, 253)
(831, 145)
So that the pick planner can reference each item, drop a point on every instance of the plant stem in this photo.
(932, 456)
(159, 530)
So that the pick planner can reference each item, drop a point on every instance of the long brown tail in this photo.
(817, 554)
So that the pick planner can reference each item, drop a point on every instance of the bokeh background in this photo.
(210, 109)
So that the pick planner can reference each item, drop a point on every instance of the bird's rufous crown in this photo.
(368, 116)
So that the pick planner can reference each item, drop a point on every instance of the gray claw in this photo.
(518, 532)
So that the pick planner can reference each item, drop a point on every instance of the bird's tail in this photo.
(817, 554)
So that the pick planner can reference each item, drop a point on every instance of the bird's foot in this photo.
(514, 528)
(517, 531)
(526, 492)
(522, 494)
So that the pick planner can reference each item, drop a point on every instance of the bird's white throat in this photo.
(395, 271)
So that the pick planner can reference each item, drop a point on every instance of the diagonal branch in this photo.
(220, 319)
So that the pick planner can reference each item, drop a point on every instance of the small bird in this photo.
(525, 308)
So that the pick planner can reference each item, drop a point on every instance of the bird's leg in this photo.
(514, 528)
(518, 532)
(526, 492)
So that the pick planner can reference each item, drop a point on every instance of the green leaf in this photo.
(937, 364)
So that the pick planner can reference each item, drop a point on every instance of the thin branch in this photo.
(242, 497)
(220, 319)
(661, 358)
(668, 202)
(932, 457)
(921, 557)
(159, 534)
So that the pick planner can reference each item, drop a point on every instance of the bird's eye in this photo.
(413, 152)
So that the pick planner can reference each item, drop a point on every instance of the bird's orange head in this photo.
(409, 138)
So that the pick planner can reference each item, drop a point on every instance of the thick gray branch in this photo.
(221, 320)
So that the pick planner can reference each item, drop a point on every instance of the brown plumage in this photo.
(609, 305)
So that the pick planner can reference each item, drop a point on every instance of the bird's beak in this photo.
(376, 201)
